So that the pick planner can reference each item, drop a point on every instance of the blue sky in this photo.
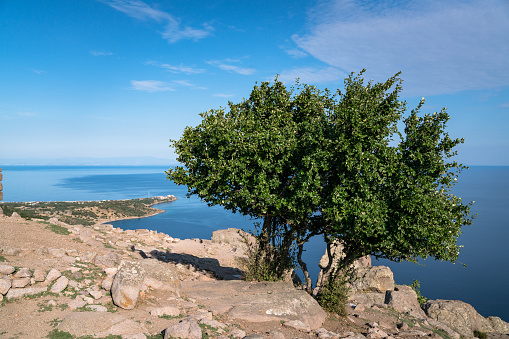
(119, 78)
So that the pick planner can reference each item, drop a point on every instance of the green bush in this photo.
(334, 295)
(480, 335)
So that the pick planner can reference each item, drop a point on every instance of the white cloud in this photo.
(440, 46)
(101, 53)
(38, 71)
(177, 68)
(27, 114)
(150, 86)
(173, 30)
(223, 95)
(226, 65)
(310, 75)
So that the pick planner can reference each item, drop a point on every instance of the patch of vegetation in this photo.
(480, 334)
(155, 336)
(57, 229)
(168, 317)
(44, 307)
(205, 329)
(55, 322)
(83, 212)
(333, 296)
(111, 307)
(2, 258)
(57, 334)
(415, 286)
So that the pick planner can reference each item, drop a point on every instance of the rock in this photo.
(15, 215)
(10, 251)
(42, 251)
(20, 292)
(186, 328)
(237, 333)
(106, 283)
(110, 271)
(404, 299)
(96, 294)
(99, 324)
(276, 335)
(23, 273)
(6, 269)
(234, 237)
(97, 308)
(166, 310)
(76, 303)
(125, 288)
(59, 285)
(39, 275)
(57, 252)
(160, 277)
(5, 285)
(20, 283)
(53, 275)
(337, 254)
(297, 324)
(104, 261)
(368, 299)
(373, 279)
(256, 302)
(456, 314)
(495, 324)
(88, 256)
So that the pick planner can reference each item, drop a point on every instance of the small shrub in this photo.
(333, 296)
(480, 335)
(2, 258)
(415, 286)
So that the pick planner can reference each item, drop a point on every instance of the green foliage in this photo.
(334, 295)
(57, 229)
(310, 162)
(2, 258)
(480, 334)
(266, 263)
(415, 286)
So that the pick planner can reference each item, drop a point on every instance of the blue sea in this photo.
(483, 283)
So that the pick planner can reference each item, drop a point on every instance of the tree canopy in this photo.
(311, 162)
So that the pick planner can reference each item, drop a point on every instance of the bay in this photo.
(482, 283)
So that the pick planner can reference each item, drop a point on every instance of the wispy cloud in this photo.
(26, 114)
(38, 71)
(177, 68)
(311, 75)
(151, 86)
(441, 47)
(173, 30)
(228, 65)
(223, 95)
(101, 53)
(505, 105)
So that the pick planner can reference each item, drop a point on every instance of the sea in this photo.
(480, 276)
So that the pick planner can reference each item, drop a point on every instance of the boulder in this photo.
(404, 299)
(23, 273)
(5, 285)
(234, 237)
(373, 279)
(53, 275)
(171, 311)
(20, 292)
(160, 276)
(456, 314)
(495, 324)
(186, 328)
(99, 324)
(6, 269)
(125, 288)
(59, 285)
(20, 283)
(256, 302)
(337, 254)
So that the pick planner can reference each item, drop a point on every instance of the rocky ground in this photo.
(63, 281)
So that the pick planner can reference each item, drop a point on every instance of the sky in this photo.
(119, 78)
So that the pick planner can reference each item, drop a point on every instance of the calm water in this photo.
(482, 283)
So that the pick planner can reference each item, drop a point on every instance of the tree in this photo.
(309, 162)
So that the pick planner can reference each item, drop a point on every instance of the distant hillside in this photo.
(117, 161)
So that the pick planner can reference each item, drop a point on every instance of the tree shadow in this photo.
(193, 263)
